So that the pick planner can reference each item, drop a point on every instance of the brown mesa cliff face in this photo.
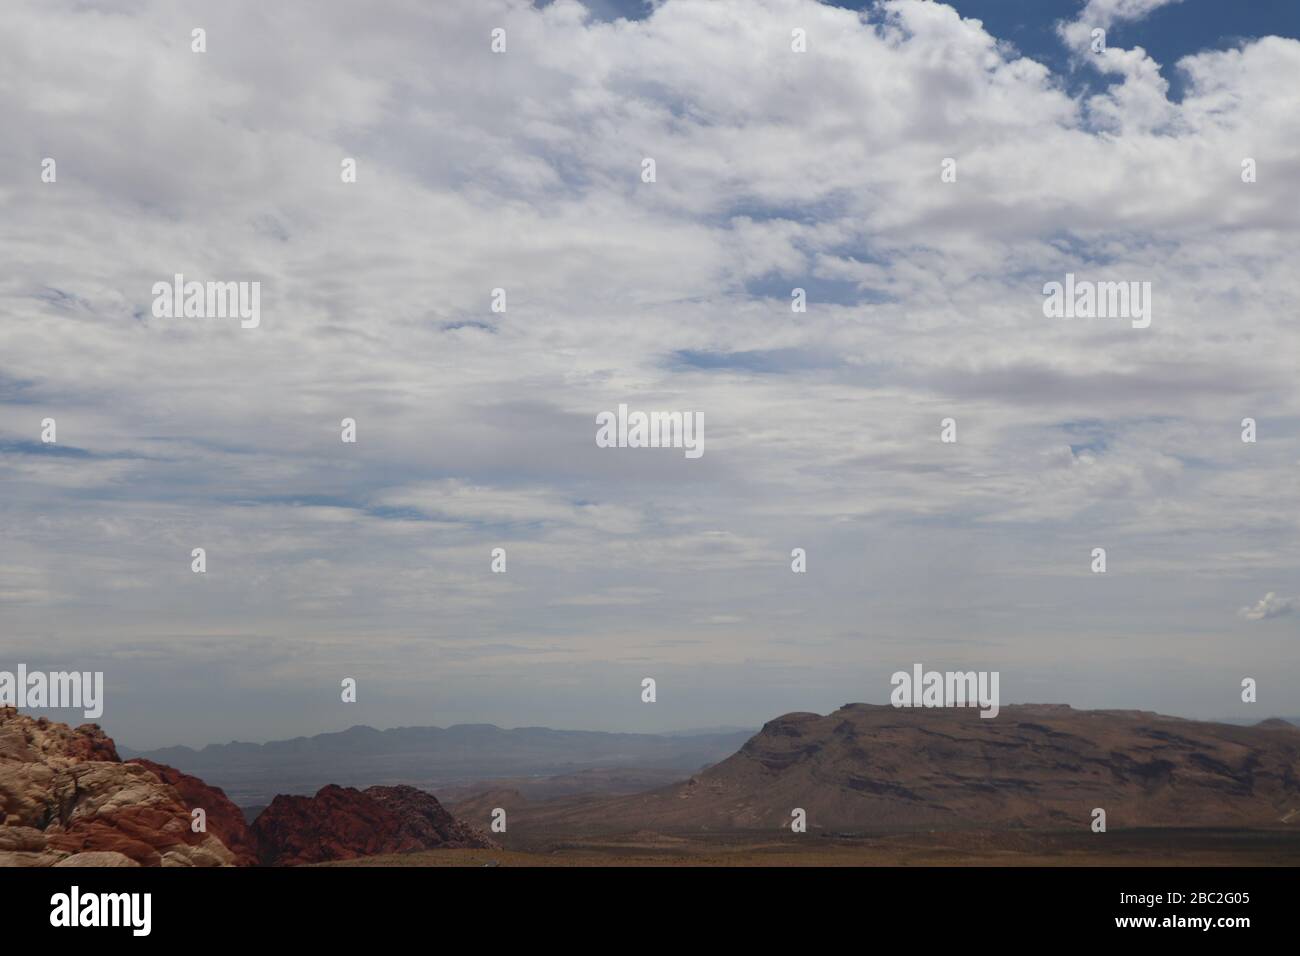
(866, 766)
(342, 823)
(872, 768)
(66, 799)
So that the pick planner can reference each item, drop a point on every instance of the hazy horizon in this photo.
(680, 731)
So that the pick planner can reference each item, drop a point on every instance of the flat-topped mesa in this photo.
(876, 768)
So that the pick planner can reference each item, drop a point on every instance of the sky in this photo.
(523, 171)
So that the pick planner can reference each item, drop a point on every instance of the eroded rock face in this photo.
(341, 823)
(67, 798)
(224, 819)
(422, 818)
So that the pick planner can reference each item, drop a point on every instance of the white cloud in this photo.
(1107, 12)
(776, 170)
(1270, 606)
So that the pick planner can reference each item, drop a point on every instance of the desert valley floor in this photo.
(1153, 847)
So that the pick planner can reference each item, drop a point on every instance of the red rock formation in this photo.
(224, 819)
(67, 799)
(422, 818)
(341, 823)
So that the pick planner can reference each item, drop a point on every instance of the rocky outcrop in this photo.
(423, 819)
(67, 799)
(223, 818)
(341, 823)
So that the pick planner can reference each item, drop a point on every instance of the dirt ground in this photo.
(1165, 847)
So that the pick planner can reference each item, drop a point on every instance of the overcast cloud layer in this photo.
(775, 170)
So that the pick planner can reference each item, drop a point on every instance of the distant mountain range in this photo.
(435, 758)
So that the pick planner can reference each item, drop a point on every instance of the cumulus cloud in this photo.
(476, 428)
(1270, 606)
(1106, 12)
(1139, 101)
